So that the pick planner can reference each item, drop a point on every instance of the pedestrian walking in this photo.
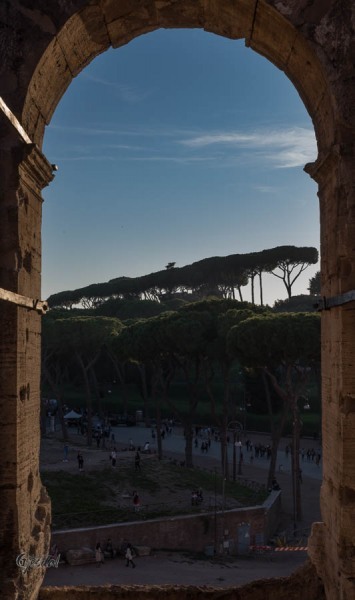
(136, 501)
(80, 461)
(137, 461)
(129, 557)
(99, 555)
(113, 457)
(66, 450)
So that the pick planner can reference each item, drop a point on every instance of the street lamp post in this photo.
(234, 457)
(239, 444)
(234, 426)
(225, 468)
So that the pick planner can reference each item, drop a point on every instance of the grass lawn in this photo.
(99, 497)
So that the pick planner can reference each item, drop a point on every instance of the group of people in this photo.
(126, 550)
(311, 455)
(205, 445)
(196, 497)
(112, 458)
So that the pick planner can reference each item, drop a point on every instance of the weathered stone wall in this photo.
(24, 503)
(43, 45)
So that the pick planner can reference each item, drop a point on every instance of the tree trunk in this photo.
(188, 443)
(261, 288)
(234, 456)
(276, 437)
(55, 387)
(223, 420)
(296, 472)
(252, 288)
(63, 426)
(119, 370)
(143, 373)
(97, 393)
(290, 397)
(87, 397)
(224, 448)
(156, 401)
(159, 440)
(275, 430)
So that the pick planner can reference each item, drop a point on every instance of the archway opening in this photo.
(284, 156)
(194, 138)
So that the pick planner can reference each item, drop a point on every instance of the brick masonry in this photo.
(193, 532)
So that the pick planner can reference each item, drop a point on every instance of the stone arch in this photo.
(95, 28)
(43, 49)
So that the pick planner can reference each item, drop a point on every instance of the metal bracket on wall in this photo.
(328, 303)
(38, 305)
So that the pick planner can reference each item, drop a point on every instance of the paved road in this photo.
(176, 443)
(174, 568)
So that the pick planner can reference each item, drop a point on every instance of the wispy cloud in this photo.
(278, 148)
(265, 189)
(127, 157)
(125, 92)
(86, 157)
(176, 159)
(284, 148)
(94, 130)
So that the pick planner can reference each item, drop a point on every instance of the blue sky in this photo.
(179, 146)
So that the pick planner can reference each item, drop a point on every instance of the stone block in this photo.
(143, 550)
(80, 556)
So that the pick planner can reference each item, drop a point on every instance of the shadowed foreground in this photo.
(292, 588)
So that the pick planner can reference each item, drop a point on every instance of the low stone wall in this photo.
(192, 532)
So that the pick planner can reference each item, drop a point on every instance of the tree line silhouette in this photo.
(221, 276)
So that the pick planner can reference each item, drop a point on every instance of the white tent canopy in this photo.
(72, 415)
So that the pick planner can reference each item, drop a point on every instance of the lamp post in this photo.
(239, 444)
(296, 471)
(215, 512)
(236, 427)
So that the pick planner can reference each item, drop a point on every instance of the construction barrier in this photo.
(261, 549)
(291, 549)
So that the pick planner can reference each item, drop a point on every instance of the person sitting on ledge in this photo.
(109, 551)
